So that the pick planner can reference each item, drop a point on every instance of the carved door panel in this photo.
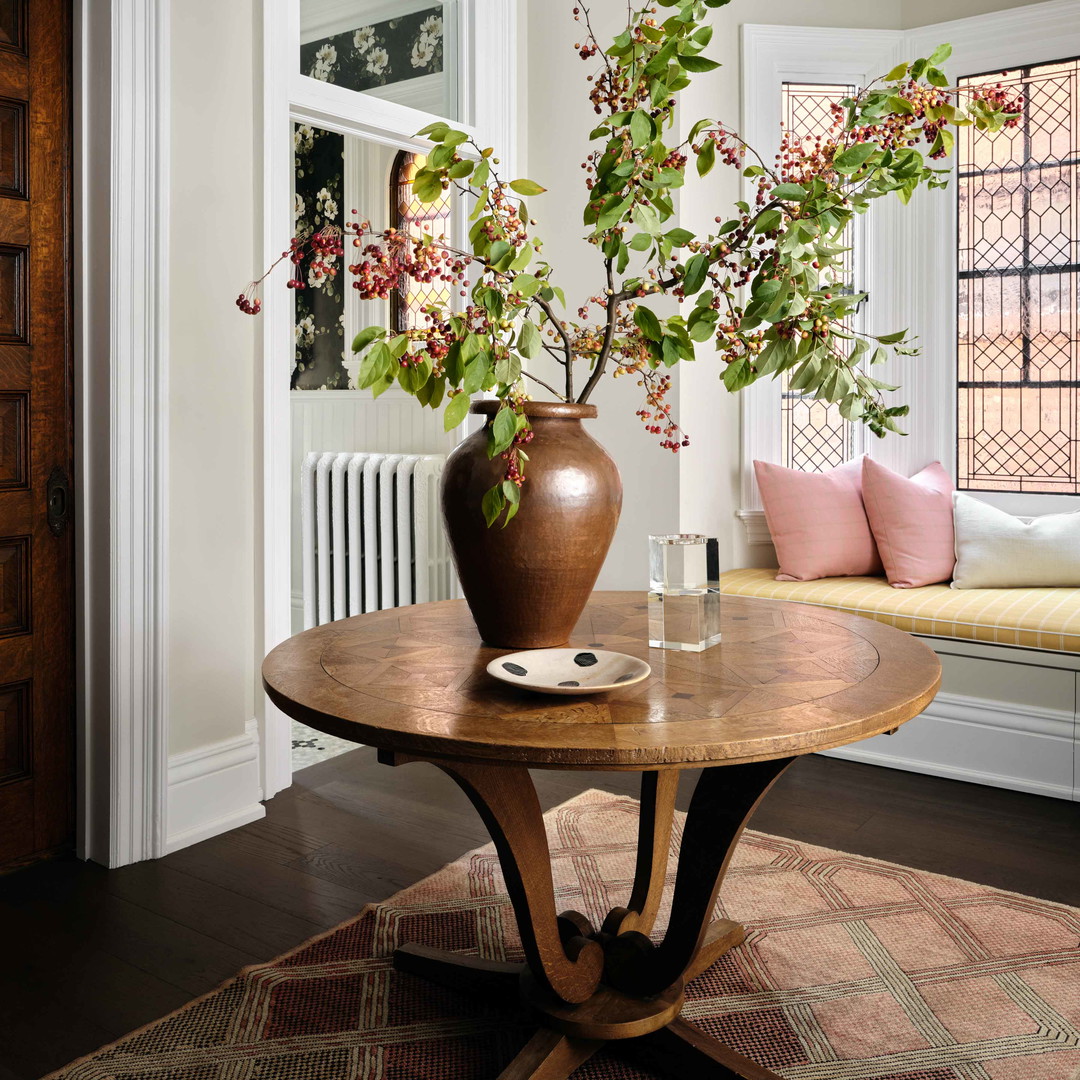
(36, 534)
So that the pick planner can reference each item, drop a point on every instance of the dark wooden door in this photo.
(37, 652)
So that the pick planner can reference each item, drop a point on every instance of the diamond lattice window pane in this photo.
(816, 437)
(1019, 371)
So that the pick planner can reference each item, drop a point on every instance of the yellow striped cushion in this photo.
(1028, 618)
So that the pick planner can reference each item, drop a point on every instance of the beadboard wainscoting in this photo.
(1006, 717)
(213, 789)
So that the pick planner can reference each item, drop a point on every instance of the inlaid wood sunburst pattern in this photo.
(785, 678)
(771, 657)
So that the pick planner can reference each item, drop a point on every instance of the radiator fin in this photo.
(372, 534)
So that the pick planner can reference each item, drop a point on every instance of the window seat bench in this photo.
(1008, 711)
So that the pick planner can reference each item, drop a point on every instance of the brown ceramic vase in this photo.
(528, 583)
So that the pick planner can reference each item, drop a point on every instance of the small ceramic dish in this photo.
(569, 671)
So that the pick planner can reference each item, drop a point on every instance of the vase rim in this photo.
(554, 410)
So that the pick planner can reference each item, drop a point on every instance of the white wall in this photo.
(212, 488)
(924, 12)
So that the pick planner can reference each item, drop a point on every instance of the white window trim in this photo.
(121, 122)
(488, 109)
(772, 56)
(911, 251)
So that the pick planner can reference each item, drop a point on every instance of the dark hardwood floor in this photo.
(89, 954)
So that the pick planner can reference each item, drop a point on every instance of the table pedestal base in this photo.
(649, 1032)
(589, 987)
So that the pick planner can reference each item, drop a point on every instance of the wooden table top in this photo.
(787, 679)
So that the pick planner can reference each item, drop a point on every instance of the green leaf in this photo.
(366, 337)
(680, 237)
(642, 128)
(646, 218)
(492, 504)
(512, 492)
(737, 375)
(376, 365)
(475, 371)
(706, 158)
(508, 369)
(940, 55)
(482, 174)
(460, 169)
(427, 186)
(527, 187)
(503, 430)
(852, 159)
(435, 132)
(613, 210)
(413, 376)
(456, 411)
(529, 341)
(648, 323)
(937, 78)
(698, 63)
(696, 270)
(789, 192)
(499, 251)
(899, 72)
(769, 221)
(641, 242)
(454, 138)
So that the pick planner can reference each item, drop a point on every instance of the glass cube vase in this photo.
(684, 592)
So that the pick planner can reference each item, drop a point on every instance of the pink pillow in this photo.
(817, 522)
(912, 522)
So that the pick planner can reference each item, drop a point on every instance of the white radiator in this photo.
(372, 534)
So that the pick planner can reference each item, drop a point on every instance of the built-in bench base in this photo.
(1025, 737)
(1006, 716)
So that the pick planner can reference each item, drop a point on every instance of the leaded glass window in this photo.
(1019, 358)
(414, 218)
(815, 436)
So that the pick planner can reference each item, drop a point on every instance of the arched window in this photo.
(409, 215)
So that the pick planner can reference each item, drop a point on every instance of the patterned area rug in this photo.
(853, 969)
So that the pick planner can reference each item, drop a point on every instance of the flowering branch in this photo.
(765, 287)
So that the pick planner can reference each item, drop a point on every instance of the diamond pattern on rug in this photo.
(869, 971)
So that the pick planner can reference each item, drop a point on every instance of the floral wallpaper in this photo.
(320, 306)
(360, 59)
(372, 56)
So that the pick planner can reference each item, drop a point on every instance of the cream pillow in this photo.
(995, 550)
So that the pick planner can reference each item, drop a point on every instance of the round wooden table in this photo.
(787, 680)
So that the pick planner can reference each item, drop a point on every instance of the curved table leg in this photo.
(722, 803)
(561, 959)
(658, 792)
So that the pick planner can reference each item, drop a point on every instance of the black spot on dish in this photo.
(585, 659)
(627, 677)
(570, 682)
(515, 669)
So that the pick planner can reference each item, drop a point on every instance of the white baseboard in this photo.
(982, 742)
(214, 789)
